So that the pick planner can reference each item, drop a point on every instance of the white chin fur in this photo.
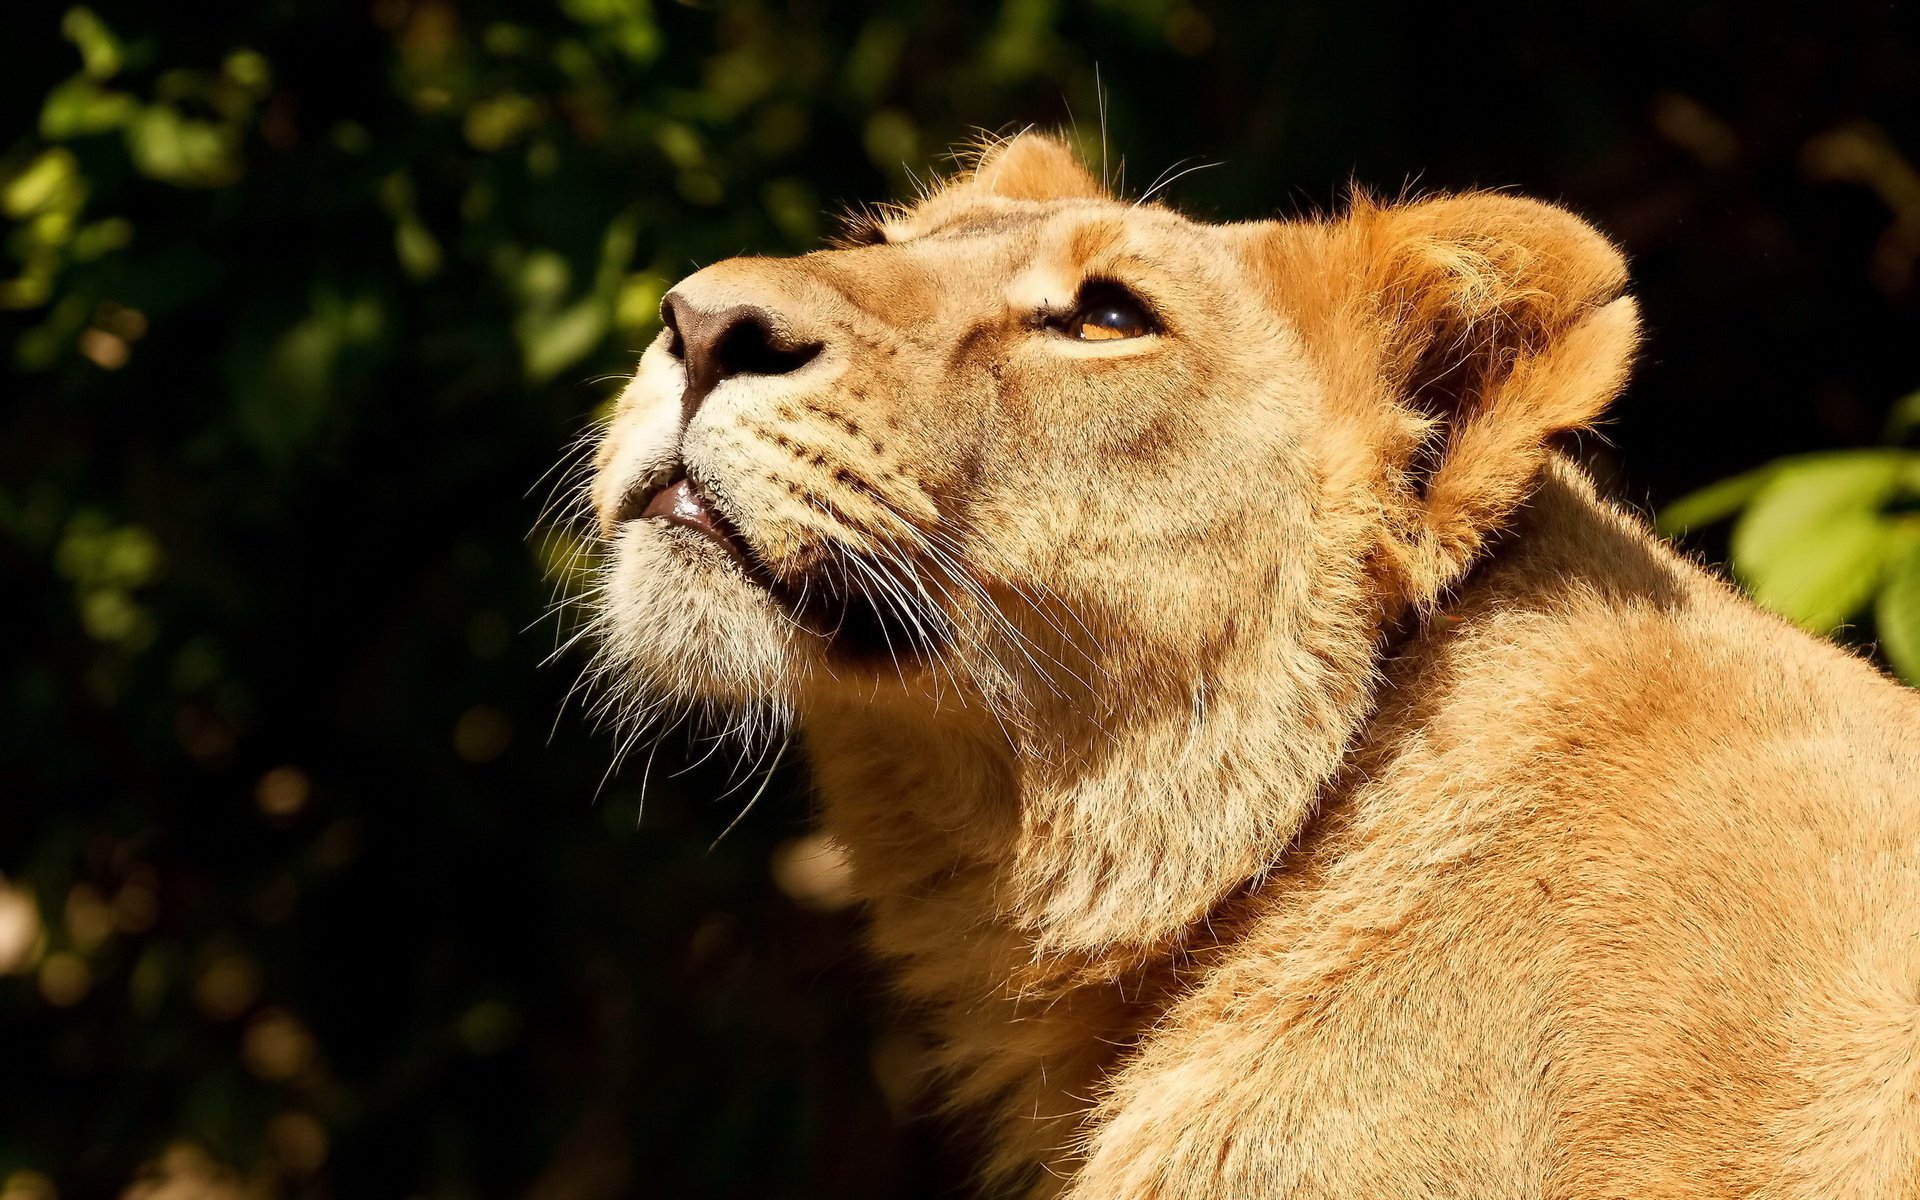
(679, 626)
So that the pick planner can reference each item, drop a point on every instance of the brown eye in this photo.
(1107, 312)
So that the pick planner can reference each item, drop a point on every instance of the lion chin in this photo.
(676, 611)
(1266, 762)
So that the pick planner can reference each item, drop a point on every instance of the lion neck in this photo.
(1039, 887)
(1088, 848)
(1043, 908)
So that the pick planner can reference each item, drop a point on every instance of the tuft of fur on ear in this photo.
(1502, 324)
(1033, 166)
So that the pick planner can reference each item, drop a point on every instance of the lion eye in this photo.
(1107, 312)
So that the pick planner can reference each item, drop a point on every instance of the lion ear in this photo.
(1501, 323)
(1034, 166)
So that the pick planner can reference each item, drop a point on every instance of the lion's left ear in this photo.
(1505, 324)
(1492, 324)
(1034, 166)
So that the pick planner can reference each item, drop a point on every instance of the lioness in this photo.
(1267, 762)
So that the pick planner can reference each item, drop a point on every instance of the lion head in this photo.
(1104, 510)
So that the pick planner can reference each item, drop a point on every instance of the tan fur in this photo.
(1317, 791)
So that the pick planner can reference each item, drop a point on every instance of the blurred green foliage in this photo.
(1824, 539)
(310, 883)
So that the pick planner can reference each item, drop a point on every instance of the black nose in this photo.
(719, 343)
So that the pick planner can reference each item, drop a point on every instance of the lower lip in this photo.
(685, 505)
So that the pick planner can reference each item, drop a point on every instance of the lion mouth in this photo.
(684, 503)
(830, 603)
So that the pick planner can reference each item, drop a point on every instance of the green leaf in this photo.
(550, 344)
(1898, 615)
(51, 181)
(80, 106)
(182, 150)
(1715, 502)
(100, 238)
(1828, 572)
(250, 70)
(1807, 496)
(417, 248)
(100, 51)
(495, 122)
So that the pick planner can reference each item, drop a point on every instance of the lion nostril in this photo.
(719, 344)
(669, 317)
(749, 347)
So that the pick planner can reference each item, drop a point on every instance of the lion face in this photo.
(1119, 503)
(1016, 448)
(1081, 521)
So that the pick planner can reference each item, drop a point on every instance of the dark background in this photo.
(300, 300)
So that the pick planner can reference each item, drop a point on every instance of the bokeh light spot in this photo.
(813, 872)
(65, 979)
(283, 792)
(227, 987)
(298, 1140)
(482, 734)
(105, 350)
(277, 1046)
(89, 916)
(185, 1172)
(28, 1185)
(19, 928)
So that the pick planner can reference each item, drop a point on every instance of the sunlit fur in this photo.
(1283, 776)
